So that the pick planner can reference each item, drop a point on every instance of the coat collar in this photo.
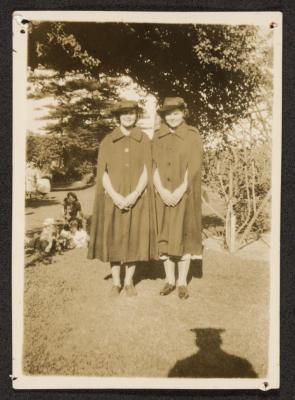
(180, 131)
(136, 134)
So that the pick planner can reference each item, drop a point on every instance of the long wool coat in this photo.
(179, 227)
(120, 235)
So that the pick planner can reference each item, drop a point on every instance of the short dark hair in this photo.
(74, 222)
(119, 113)
(73, 195)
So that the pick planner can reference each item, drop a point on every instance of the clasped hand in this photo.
(171, 199)
(125, 203)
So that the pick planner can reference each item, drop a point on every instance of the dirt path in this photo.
(37, 211)
(73, 327)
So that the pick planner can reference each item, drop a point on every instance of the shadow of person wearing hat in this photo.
(211, 361)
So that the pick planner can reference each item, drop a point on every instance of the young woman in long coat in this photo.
(122, 224)
(177, 155)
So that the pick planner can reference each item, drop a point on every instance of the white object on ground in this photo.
(80, 239)
(43, 186)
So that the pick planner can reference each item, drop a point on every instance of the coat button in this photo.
(168, 179)
(126, 150)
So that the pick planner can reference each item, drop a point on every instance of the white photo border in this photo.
(20, 45)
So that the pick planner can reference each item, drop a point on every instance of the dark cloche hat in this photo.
(125, 105)
(170, 103)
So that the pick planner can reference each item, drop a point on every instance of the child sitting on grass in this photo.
(72, 209)
(50, 241)
(79, 237)
(45, 245)
(64, 236)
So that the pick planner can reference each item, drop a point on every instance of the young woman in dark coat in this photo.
(123, 221)
(177, 158)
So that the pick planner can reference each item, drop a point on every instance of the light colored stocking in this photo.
(169, 266)
(115, 268)
(183, 268)
(129, 272)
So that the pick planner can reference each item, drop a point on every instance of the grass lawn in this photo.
(73, 327)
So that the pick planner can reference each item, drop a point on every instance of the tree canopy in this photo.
(224, 73)
(218, 69)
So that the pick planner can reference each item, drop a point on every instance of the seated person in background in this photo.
(68, 213)
(48, 236)
(79, 237)
(65, 238)
(45, 245)
(72, 209)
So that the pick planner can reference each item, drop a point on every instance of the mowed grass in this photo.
(73, 327)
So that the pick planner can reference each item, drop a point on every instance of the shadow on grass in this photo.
(34, 203)
(211, 220)
(211, 361)
(149, 270)
(34, 231)
(144, 270)
(155, 270)
(195, 270)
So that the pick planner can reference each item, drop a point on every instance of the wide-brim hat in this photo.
(171, 103)
(125, 105)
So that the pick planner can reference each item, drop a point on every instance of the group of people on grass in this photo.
(147, 203)
(148, 197)
(59, 235)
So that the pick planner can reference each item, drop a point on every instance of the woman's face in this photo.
(128, 119)
(71, 199)
(174, 118)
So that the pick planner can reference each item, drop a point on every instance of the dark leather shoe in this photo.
(183, 292)
(167, 289)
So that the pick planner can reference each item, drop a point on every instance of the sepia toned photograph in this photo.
(146, 202)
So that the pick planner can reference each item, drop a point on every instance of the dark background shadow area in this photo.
(211, 221)
(34, 203)
(195, 270)
(210, 361)
(212, 225)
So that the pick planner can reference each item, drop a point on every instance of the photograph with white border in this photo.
(146, 199)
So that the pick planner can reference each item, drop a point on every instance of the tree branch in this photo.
(258, 211)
